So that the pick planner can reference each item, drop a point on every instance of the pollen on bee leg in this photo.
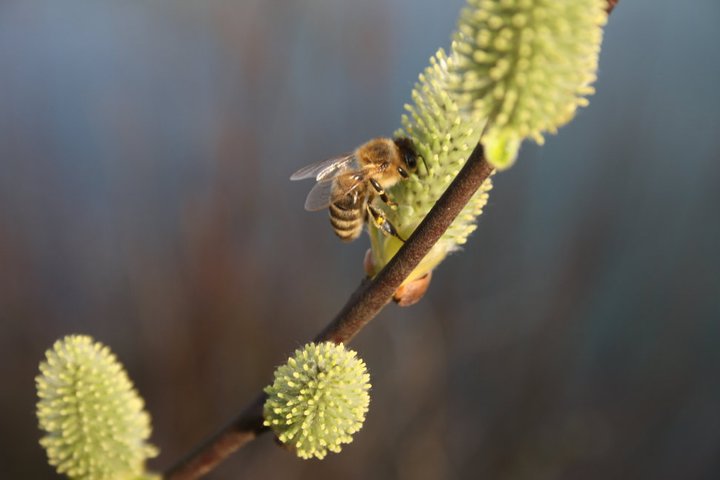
(410, 293)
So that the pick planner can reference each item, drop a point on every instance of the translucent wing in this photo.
(319, 196)
(324, 169)
(322, 193)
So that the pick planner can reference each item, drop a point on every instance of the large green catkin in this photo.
(444, 137)
(96, 428)
(318, 399)
(517, 69)
(526, 65)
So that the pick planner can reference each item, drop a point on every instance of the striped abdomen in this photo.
(347, 215)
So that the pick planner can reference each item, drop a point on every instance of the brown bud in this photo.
(411, 292)
(369, 264)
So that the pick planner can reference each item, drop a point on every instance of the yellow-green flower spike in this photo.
(318, 400)
(94, 420)
(526, 65)
(444, 137)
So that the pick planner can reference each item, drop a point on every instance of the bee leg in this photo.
(382, 223)
(381, 192)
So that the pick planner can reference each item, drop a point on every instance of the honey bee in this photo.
(348, 184)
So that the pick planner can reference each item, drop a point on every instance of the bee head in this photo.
(408, 154)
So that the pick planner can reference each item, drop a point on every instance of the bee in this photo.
(348, 184)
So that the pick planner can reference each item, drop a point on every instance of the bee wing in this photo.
(323, 192)
(319, 196)
(324, 169)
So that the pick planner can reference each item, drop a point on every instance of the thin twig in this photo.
(373, 295)
(244, 428)
(363, 306)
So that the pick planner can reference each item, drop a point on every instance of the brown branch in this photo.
(373, 295)
(246, 426)
(363, 306)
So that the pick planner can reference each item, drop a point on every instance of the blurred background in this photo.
(145, 150)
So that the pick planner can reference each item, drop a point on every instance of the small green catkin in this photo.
(95, 423)
(526, 65)
(444, 138)
(318, 399)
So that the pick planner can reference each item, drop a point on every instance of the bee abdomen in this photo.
(347, 222)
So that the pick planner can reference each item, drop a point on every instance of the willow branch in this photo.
(362, 306)
(372, 296)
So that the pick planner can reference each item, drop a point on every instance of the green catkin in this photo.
(94, 420)
(517, 69)
(318, 399)
(526, 65)
(444, 138)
